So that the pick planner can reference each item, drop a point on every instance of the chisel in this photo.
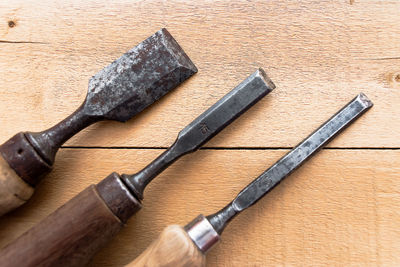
(72, 234)
(177, 246)
(118, 92)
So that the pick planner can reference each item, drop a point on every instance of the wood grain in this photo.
(318, 53)
(339, 209)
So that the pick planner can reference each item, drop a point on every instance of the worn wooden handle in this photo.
(173, 248)
(14, 191)
(72, 234)
(22, 167)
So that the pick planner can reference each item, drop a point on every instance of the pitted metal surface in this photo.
(138, 78)
(291, 161)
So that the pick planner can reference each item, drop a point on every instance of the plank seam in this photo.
(231, 148)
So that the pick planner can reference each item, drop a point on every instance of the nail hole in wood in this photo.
(11, 24)
(20, 151)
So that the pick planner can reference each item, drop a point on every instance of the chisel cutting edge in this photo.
(118, 92)
(187, 246)
(72, 234)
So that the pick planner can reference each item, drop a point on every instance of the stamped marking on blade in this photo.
(203, 128)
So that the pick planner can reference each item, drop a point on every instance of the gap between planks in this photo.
(231, 148)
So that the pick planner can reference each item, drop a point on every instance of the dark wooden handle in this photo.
(24, 159)
(72, 234)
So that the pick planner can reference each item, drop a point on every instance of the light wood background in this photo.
(340, 209)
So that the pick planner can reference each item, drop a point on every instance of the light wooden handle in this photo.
(14, 191)
(173, 248)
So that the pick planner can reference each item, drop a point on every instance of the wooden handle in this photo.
(72, 234)
(173, 248)
(14, 191)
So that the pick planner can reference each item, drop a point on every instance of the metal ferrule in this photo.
(202, 233)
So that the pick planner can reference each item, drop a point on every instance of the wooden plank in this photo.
(340, 209)
(319, 54)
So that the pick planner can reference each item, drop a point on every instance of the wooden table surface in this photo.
(342, 208)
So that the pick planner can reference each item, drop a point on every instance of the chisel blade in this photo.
(138, 78)
(226, 110)
(291, 161)
(204, 127)
(296, 157)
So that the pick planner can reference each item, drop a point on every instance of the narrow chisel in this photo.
(177, 246)
(118, 92)
(73, 233)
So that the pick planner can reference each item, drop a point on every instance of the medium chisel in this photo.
(177, 246)
(118, 92)
(72, 234)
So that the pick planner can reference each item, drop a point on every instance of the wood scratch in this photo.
(20, 42)
(381, 58)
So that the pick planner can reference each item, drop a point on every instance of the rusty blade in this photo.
(138, 78)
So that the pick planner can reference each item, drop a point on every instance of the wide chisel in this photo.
(177, 246)
(73, 233)
(118, 92)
